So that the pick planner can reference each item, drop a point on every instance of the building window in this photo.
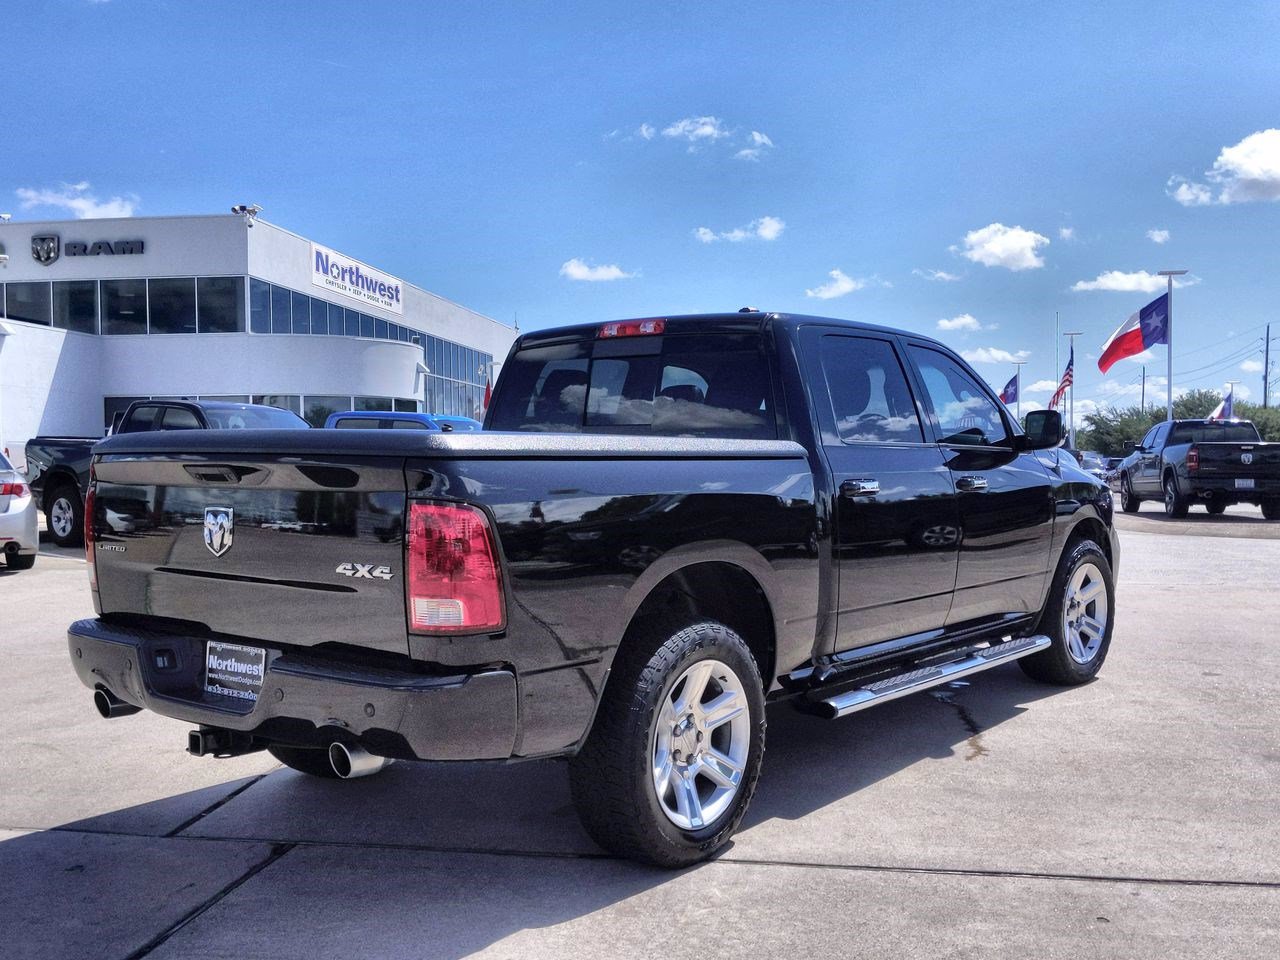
(352, 325)
(28, 301)
(259, 306)
(172, 305)
(317, 409)
(372, 403)
(280, 310)
(319, 316)
(366, 325)
(75, 305)
(337, 325)
(230, 398)
(382, 330)
(221, 303)
(124, 307)
(285, 401)
(301, 313)
(406, 406)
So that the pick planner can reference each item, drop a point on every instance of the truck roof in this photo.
(741, 322)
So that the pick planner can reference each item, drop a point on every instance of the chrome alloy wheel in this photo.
(700, 743)
(1085, 612)
(62, 517)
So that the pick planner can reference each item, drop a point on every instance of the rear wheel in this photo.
(1271, 508)
(671, 762)
(19, 561)
(1215, 507)
(1078, 618)
(64, 516)
(309, 760)
(1129, 501)
(1175, 504)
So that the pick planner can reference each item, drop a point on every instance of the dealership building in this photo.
(95, 314)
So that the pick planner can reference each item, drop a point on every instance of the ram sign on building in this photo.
(97, 313)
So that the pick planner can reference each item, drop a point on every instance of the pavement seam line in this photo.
(277, 851)
(208, 810)
(747, 861)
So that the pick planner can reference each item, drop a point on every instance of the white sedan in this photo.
(19, 524)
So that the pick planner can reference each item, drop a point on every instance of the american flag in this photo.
(1065, 381)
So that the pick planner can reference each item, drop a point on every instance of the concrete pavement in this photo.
(1135, 816)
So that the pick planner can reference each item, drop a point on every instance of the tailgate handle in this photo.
(211, 473)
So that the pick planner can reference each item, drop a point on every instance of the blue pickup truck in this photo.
(398, 420)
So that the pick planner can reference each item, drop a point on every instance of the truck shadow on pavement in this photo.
(438, 860)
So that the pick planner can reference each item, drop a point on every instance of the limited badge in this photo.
(219, 525)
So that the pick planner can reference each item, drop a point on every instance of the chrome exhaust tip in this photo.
(110, 706)
(350, 761)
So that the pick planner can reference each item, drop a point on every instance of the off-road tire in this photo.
(1129, 501)
(75, 536)
(310, 760)
(611, 776)
(1175, 504)
(1056, 664)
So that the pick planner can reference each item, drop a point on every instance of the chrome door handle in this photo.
(971, 484)
(859, 488)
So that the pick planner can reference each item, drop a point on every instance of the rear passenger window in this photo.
(868, 391)
(141, 420)
(180, 418)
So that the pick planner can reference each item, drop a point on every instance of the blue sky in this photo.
(570, 162)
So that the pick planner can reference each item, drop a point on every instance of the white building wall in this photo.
(48, 383)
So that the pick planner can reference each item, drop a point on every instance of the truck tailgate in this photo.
(296, 550)
(1228, 461)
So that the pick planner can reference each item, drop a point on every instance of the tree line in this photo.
(1106, 430)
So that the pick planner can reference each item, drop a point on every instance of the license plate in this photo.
(232, 670)
(1243, 483)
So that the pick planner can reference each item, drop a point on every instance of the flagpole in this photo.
(1071, 395)
(1017, 372)
(1169, 275)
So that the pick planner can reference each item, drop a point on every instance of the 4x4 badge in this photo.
(366, 570)
(219, 525)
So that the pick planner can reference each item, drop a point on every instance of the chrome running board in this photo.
(905, 684)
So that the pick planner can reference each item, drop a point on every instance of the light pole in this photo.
(1169, 275)
(1071, 397)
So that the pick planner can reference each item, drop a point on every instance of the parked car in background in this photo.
(1093, 463)
(19, 523)
(1214, 462)
(58, 467)
(379, 420)
(456, 424)
(665, 523)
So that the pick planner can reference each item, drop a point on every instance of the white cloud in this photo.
(1066, 233)
(759, 142)
(1041, 386)
(1158, 236)
(839, 285)
(1187, 193)
(1139, 281)
(76, 198)
(647, 131)
(1146, 356)
(765, 228)
(577, 269)
(996, 245)
(1251, 366)
(965, 322)
(1247, 172)
(696, 129)
(993, 355)
(940, 275)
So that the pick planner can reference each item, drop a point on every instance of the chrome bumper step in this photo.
(913, 681)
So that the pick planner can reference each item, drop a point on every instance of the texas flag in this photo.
(1146, 328)
(1010, 392)
(1226, 409)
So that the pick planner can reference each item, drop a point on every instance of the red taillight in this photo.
(88, 537)
(633, 328)
(13, 489)
(1193, 459)
(453, 581)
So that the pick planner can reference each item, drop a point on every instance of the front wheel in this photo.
(672, 760)
(1129, 501)
(1078, 619)
(1175, 504)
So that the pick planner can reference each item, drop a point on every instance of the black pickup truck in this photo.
(1214, 462)
(58, 467)
(667, 523)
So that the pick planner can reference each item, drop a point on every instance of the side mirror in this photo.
(1044, 429)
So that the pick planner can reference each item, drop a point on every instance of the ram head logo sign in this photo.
(46, 249)
(219, 524)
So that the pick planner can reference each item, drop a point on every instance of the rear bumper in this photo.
(20, 526)
(306, 699)
(1206, 487)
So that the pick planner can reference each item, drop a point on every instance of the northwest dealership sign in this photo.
(354, 279)
(48, 247)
